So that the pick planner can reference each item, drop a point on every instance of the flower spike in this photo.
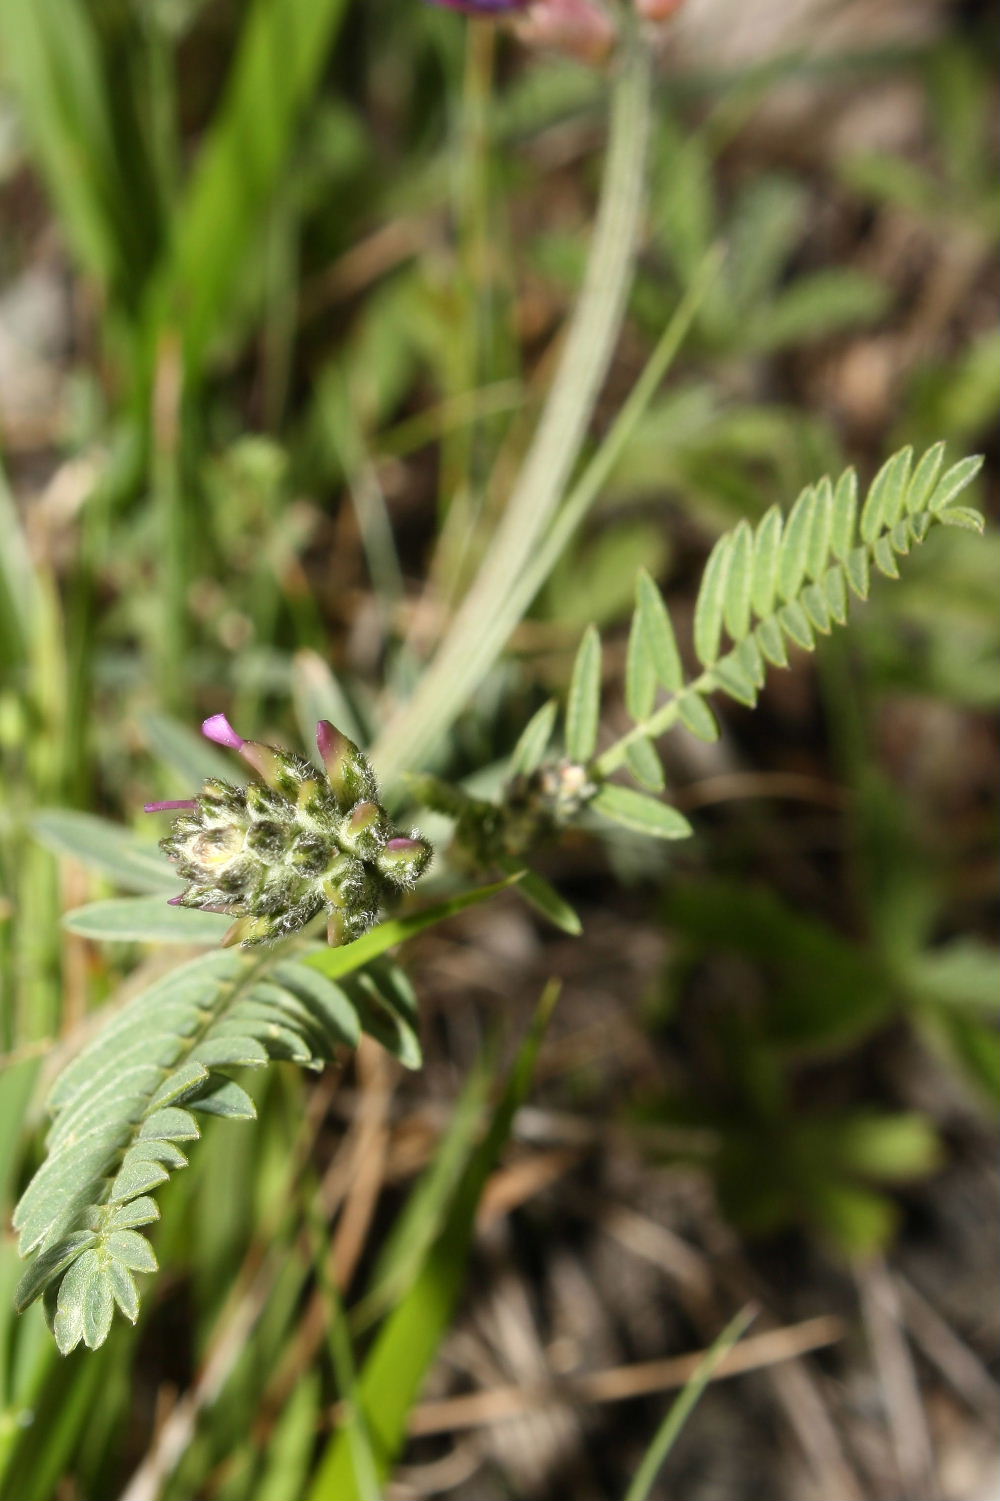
(275, 854)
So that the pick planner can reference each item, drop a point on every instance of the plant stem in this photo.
(665, 718)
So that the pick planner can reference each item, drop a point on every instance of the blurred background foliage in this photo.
(279, 290)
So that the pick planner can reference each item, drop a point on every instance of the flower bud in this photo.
(363, 831)
(350, 773)
(403, 860)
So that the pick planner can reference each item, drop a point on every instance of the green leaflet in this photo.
(767, 557)
(696, 716)
(642, 814)
(640, 666)
(954, 481)
(887, 495)
(739, 583)
(818, 544)
(795, 546)
(534, 741)
(658, 632)
(961, 516)
(583, 704)
(845, 515)
(710, 607)
(644, 764)
(546, 899)
(923, 479)
(146, 919)
(106, 847)
(729, 675)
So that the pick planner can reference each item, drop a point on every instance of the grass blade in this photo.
(682, 1408)
(401, 1357)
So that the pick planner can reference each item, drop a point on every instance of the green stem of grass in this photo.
(670, 1428)
(413, 732)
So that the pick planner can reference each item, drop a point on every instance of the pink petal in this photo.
(186, 802)
(218, 728)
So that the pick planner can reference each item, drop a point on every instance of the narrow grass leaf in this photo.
(351, 956)
(281, 54)
(400, 1359)
(682, 1408)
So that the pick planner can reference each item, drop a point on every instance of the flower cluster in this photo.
(276, 853)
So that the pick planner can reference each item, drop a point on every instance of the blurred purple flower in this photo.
(484, 7)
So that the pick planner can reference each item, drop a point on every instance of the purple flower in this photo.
(276, 853)
(218, 728)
